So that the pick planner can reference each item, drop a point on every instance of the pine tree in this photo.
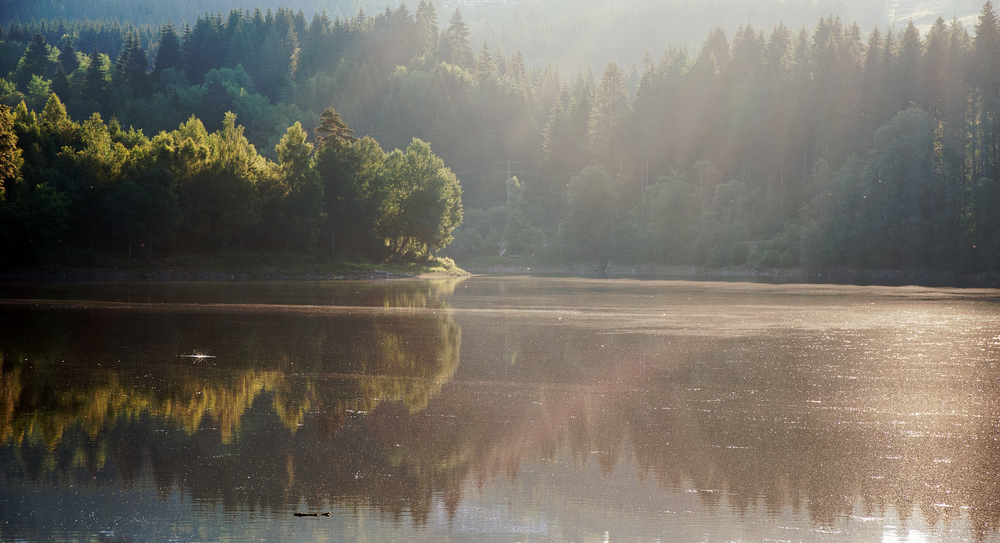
(332, 130)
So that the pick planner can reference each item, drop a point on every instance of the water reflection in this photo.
(88, 365)
(829, 404)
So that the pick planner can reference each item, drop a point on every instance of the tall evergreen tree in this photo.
(427, 27)
(97, 80)
(986, 77)
(455, 47)
(609, 121)
(35, 61)
(317, 47)
(67, 56)
(168, 51)
(130, 68)
(333, 131)
(60, 83)
(204, 47)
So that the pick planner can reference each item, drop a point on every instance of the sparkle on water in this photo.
(511, 408)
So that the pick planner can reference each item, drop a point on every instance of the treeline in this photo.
(80, 189)
(821, 147)
(540, 29)
(153, 12)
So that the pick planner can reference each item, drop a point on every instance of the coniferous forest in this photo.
(825, 146)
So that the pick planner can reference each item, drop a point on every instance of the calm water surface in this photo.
(499, 409)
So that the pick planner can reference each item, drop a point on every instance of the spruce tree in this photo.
(455, 44)
(34, 62)
(986, 74)
(68, 58)
(96, 81)
(130, 69)
(168, 53)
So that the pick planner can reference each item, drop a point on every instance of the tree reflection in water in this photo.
(369, 408)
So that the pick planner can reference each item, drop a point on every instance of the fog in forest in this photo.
(571, 32)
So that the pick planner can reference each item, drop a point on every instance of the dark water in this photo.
(499, 409)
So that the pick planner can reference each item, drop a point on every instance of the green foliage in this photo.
(96, 90)
(781, 251)
(455, 48)
(147, 211)
(10, 154)
(333, 130)
(37, 91)
(982, 243)
(168, 54)
(294, 206)
(130, 68)
(33, 221)
(521, 230)
(610, 119)
(35, 61)
(821, 147)
(423, 203)
(591, 215)
(403, 205)
(351, 175)
(670, 216)
(9, 95)
(96, 186)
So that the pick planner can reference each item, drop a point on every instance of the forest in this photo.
(823, 146)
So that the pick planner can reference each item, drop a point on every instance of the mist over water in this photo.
(499, 408)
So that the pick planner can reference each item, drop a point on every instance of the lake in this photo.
(499, 408)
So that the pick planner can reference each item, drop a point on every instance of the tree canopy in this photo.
(816, 146)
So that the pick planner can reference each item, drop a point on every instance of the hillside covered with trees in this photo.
(824, 146)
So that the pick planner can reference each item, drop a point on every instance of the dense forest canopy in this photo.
(823, 145)
(570, 33)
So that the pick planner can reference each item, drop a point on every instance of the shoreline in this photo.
(789, 275)
(72, 274)
(96, 274)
